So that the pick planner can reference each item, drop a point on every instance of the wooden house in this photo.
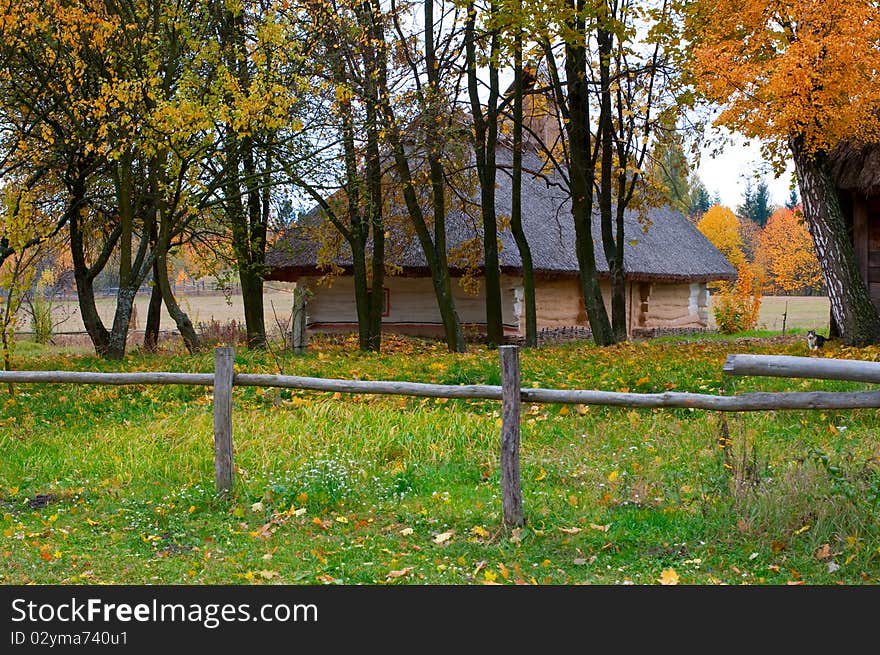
(855, 169)
(669, 266)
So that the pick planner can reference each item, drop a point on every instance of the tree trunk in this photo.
(154, 316)
(485, 138)
(610, 240)
(373, 212)
(433, 249)
(84, 275)
(851, 306)
(516, 226)
(180, 318)
(582, 174)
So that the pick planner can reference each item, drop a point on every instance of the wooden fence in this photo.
(510, 393)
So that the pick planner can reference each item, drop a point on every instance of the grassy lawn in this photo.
(115, 484)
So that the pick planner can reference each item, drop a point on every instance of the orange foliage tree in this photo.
(802, 76)
(785, 252)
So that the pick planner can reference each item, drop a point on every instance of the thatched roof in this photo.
(665, 247)
(856, 167)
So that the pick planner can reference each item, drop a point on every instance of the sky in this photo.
(727, 173)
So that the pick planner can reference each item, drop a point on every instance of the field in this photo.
(115, 484)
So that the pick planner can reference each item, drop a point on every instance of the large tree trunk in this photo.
(83, 274)
(610, 240)
(516, 226)
(373, 212)
(851, 306)
(582, 174)
(485, 138)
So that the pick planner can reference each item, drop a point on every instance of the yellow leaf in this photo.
(490, 576)
(668, 577)
(573, 500)
(443, 537)
(541, 475)
(803, 529)
(613, 476)
(341, 519)
(480, 531)
(563, 411)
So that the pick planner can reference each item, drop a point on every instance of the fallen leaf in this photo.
(833, 566)
(541, 475)
(399, 573)
(823, 552)
(570, 530)
(443, 537)
(583, 409)
(257, 507)
(777, 546)
(406, 532)
(802, 529)
(613, 476)
(668, 577)
(600, 528)
(45, 555)
(480, 531)
(268, 575)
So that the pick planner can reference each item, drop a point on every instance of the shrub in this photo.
(736, 305)
(214, 333)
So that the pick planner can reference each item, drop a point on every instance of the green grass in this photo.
(390, 490)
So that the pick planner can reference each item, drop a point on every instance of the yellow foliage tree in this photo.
(785, 252)
(721, 227)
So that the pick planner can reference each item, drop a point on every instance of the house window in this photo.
(386, 307)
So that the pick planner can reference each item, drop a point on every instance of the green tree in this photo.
(756, 203)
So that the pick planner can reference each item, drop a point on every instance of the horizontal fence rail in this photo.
(746, 402)
(787, 366)
(510, 393)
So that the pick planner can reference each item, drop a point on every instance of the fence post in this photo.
(511, 490)
(224, 360)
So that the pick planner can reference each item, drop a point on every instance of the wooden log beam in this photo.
(382, 387)
(77, 377)
(740, 403)
(746, 402)
(787, 366)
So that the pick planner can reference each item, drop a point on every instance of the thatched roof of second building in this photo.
(666, 246)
